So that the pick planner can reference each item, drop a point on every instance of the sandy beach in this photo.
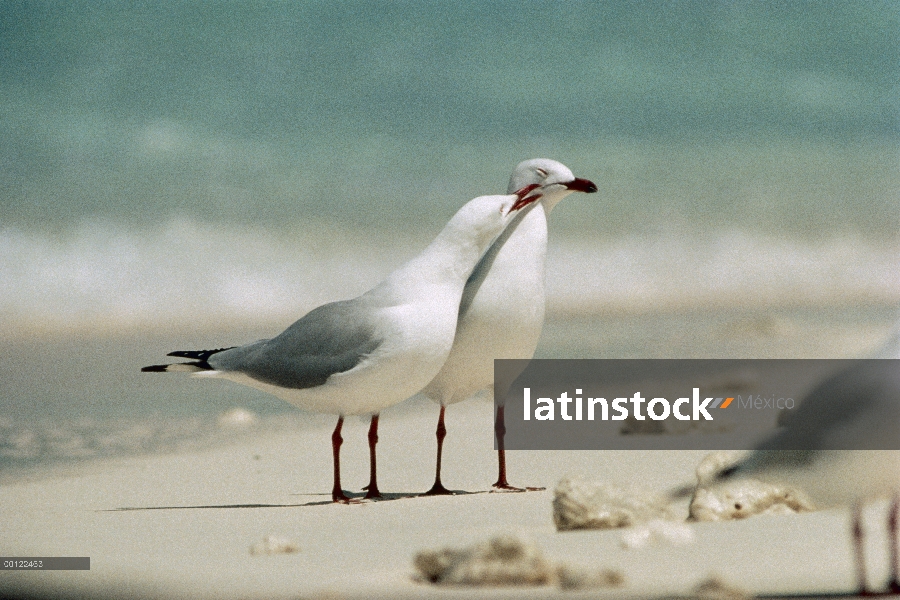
(199, 175)
(181, 523)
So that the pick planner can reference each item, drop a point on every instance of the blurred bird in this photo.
(840, 446)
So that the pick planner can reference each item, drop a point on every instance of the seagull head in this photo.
(484, 218)
(553, 180)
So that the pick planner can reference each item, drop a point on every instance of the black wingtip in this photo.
(197, 354)
(199, 365)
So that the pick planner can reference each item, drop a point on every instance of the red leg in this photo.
(337, 494)
(500, 431)
(438, 488)
(893, 517)
(502, 483)
(858, 542)
(372, 488)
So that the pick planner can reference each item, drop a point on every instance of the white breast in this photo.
(504, 318)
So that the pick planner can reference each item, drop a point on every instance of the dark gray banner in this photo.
(691, 404)
(45, 563)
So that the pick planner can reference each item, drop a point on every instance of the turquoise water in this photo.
(187, 169)
(282, 113)
(249, 161)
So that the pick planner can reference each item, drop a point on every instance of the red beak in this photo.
(581, 185)
(524, 199)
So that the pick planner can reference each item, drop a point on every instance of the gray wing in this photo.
(839, 414)
(330, 339)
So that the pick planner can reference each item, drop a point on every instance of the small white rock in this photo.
(578, 504)
(715, 588)
(274, 545)
(236, 418)
(740, 498)
(502, 560)
(507, 561)
(744, 498)
(582, 578)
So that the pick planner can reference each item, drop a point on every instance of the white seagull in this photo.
(357, 357)
(841, 447)
(502, 308)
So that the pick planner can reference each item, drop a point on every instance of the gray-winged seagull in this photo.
(502, 308)
(357, 357)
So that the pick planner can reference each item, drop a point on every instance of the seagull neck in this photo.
(449, 259)
(454, 253)
(551, 200)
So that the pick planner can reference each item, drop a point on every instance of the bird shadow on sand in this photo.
(360, 498)
(355, 498)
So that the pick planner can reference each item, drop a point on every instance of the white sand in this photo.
(367, 550)
(196, 546)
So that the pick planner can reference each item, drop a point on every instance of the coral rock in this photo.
(740, 498)
(503, 560)
(581, 505)
(579, 578)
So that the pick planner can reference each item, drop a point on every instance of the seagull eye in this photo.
(541, 172)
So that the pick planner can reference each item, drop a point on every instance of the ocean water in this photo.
(179, 172)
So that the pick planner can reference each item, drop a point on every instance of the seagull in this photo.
(502, 308)
(829, 447)
(359, 356)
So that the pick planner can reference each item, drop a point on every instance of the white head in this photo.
(555, 179)
(485, 217)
